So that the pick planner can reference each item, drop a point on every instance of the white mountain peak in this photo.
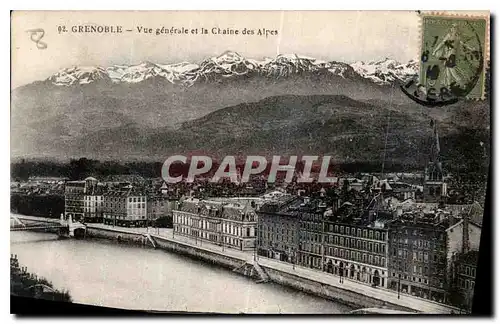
(232, 64)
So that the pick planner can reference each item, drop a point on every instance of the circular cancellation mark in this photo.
(451, 66)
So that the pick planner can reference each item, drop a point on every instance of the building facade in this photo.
(310, 251)
(357, 250)
(74, 196)
(226, 224)
(417, 257)
(125, 206)
(464, 278)
(278, 230)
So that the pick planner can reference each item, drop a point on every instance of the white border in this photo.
(208, 5)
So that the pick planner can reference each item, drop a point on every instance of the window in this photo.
(371, 234)
(336, 228)
(426, 257)
(414, 255)
(358, 244)
(376, 260)
(382, 263)
(377, 235)
(364, 233)
(359, 232)
(473, 272)
(370, 258)
(467, 270)
(347, 230)
(342, 229)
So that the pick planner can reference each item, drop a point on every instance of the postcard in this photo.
(249, 162)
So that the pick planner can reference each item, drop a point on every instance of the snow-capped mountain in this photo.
(227, 65)
(386, 71)
(79, 75)
(231, 64)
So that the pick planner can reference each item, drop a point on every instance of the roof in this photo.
(90, 179)
(470, 257)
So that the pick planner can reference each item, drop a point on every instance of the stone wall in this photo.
(118, 236)
(198, 253)
(316, 288)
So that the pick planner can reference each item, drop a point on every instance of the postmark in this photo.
(453, 56)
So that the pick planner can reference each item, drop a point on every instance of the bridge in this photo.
(65, 226)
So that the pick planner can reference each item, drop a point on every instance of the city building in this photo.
(464, 278)
(74, 197)
(125, 206)
(310, 251)
(356, 242)
(417, 256)
(278, 229)
(227, 224)
(159, 206)
(93, 201)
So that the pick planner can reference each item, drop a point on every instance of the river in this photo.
(108, 274)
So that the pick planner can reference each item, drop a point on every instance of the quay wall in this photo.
(310, 286)
(199, 253)
(326, 291)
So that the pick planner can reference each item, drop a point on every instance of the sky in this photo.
(346, 36)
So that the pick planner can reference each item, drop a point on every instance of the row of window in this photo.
(311, 226)
(97, 198)
(466, 284)
(420, 244)
(211, 236)
(416, 232)
(276, 237)
(356, 256)
(356, 244)
(417, 255)
(309, 247)
(129, 217)
(353, 231)
(227, 228)
(467, 270)
(306, 236)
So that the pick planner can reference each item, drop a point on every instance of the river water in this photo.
(108, 274)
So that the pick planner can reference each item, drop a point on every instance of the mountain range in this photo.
(231, 65)
(229, 104)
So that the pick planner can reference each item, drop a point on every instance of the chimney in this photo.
(465, 234)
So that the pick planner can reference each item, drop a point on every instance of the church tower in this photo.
(435, 189)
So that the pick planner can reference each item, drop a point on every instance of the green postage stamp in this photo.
(454, 55)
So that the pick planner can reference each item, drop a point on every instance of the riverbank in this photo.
(304, 279)
(25, 284)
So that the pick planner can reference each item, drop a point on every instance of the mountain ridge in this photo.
(231, 64)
